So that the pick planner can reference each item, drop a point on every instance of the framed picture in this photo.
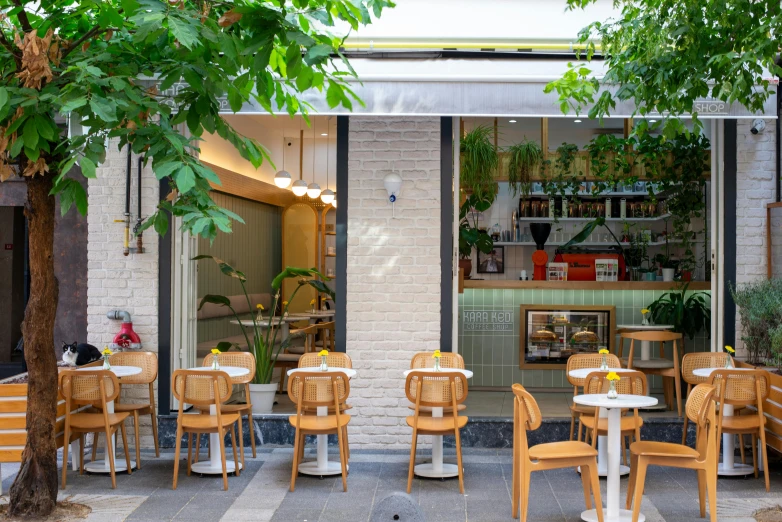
(493, 262)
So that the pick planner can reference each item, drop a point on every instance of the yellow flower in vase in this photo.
(324, 367)
(730, 349)
(106, 354)
(436, 356)
(215, 361)
(604, 359)
(260, 309)
(729, 362)
(612, 377)
(285, 308)
(645, 317)
(603, 351)
(312, 305)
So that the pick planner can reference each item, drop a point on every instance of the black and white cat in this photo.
(79, 354)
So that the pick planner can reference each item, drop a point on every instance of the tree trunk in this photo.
(34, 492)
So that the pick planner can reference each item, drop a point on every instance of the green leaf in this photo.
(30, 134)
(185, 179)
(214, 299)
(163, 170)
(87, 167)
(3, 97)
(183, 31)
(161, 223)
(103, 108)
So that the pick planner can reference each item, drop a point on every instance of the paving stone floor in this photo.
(261, 492)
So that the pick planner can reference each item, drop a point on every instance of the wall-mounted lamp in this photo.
(393, 184)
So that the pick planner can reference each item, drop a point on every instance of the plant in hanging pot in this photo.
(262, 341)
(524, 157)
(470, 236)
(479, 162)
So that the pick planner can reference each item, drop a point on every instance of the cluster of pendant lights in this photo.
(300, 187)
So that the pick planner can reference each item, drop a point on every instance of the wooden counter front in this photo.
(510, 284)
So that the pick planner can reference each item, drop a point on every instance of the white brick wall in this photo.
(116, 282)
(755, 187)
(393, 269)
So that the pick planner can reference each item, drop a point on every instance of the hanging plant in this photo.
(479, 162)
(524, 157)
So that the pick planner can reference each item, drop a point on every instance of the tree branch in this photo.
(22, 17)
(5, 43)
(95, 31)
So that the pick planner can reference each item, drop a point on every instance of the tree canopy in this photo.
(663, 55)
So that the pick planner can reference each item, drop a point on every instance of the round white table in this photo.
(436, 468)
(602, 459)
(282, 322)
(322, 466)
(646, 346)
(613, 409)
(313, 316)
(103, 466)
(728, 466)
(214, 466)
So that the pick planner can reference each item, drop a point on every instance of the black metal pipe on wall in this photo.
(340, 313)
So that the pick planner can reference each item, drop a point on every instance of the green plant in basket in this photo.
(263, 342)
(524, 157)
(479, 162)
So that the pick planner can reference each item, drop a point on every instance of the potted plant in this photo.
(689, 314)
(479, 162)
(470, 236)
(263, 343)
(760, 309)
(524, 157)
(667, 263)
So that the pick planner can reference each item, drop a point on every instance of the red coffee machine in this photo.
(540, 233)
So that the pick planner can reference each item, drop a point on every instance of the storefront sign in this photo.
(489, 321)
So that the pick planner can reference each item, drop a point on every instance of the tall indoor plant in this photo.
(263, 344)
(689, 314)
(470, 236)
(760, 308)
(479, 162)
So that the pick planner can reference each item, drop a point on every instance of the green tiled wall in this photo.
(493, 356)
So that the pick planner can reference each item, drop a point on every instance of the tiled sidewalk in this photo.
(261, 492)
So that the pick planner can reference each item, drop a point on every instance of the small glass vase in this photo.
(612, 390)
(106, 365)
(260, 317)
(437, 364)
(215, 363)
(645, 320)
(312, 309)
(324, 367)
(729, 363)
(604, 364)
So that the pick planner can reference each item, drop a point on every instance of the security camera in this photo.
(758, 126)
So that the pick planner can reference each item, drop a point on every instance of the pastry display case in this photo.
(552, 333)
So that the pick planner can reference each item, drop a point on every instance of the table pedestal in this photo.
(612, 512)
(728, 466)
(214, 465)
(436, 468)
(103, 466)
(602, 454)
(321, 466)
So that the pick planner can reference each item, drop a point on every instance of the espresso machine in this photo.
(540, 233)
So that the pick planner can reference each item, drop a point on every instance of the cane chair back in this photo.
(528, 408)
(629, 383)
(237, 359)
(423, 360)
(699, 360)
(333, 360)
(700, 405)
(588, 360)
(201, 388)
(96, 387)
(741, 387)
(147, 361)
(314, 389)
(436, 389)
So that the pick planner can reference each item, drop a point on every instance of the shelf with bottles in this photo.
(548, 219)
(591, 243)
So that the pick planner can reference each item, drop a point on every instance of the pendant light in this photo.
(299, 187)
(313, 189)
(283, 178)
(327, 196)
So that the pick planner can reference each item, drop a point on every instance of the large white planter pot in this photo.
(668, 274)
(262, 397)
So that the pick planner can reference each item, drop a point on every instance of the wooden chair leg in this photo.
(342, 458)
(741, 449)
(677, 390)
(754, 459)
(702, 491)
(67, 437)
(110, 456)
(189, 452)
(154, 418)
(81, 454)
(412, 461)
(631, 480)
(125, 446)
(302, 446)
(585, 481)
(221, 440)
(295, 469)
(640, 478)
(524, 494)
(711, 489)
(595, 479)
(251, 427)
(572, 424)
(764, 457)
(459, 460)
(177, 449)
(241, 446)
(138, 440)
(95, 437)
(236, 454)
(580, 426)
(514, 492)
(197, 447)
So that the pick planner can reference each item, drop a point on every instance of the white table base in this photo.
(214, 466)
(436, 468)
(623, 516)
(602, 454)
(103, 466)
(322, 466)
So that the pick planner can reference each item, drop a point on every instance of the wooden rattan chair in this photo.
(747, 388)
(552, 455)
(96, 388)
(147, 361)
(242, 360)
(578, 361)
(312, 390)
(326, 333)
(202, 389)
(333, 360)
(436, 390)
(666, 368)
(424, 361)
(629, 383)
(703, 458)
(695, 361)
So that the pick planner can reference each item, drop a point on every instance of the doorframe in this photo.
(164, 317)
(446, 235)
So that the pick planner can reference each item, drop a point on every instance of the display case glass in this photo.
(550, 334)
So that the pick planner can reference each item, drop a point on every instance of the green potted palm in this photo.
(689, 314)
(263, 343)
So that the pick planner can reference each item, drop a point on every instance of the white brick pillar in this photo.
(393, 268)
(755, 187)
(116, 282)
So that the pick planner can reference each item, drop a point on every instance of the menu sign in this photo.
(487, 321)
